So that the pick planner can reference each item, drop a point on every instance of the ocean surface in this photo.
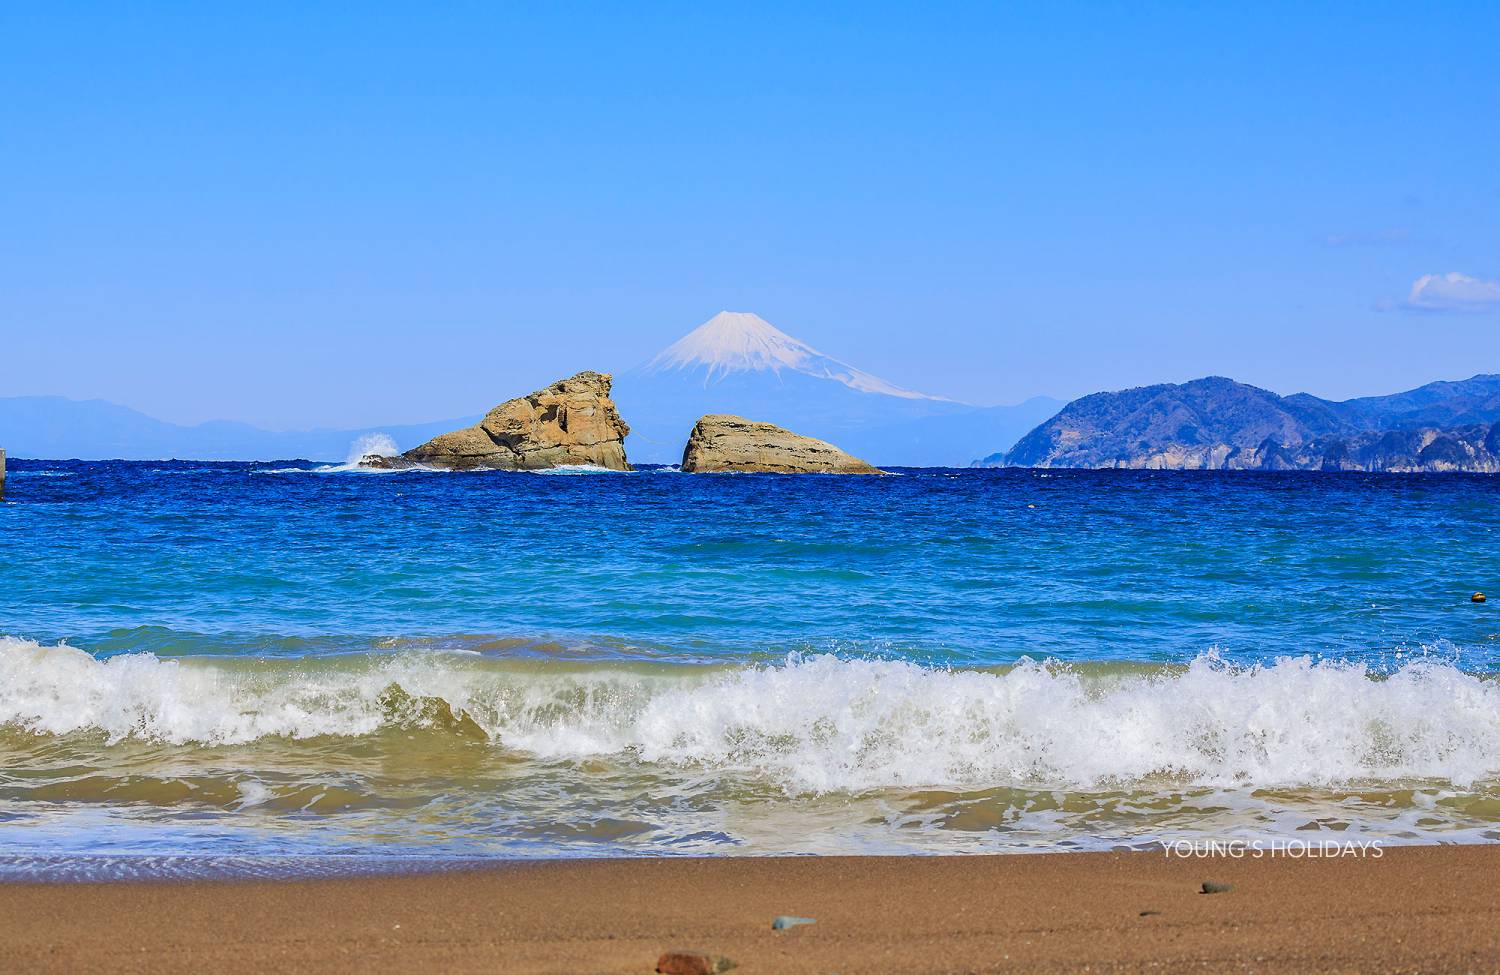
(302, 668)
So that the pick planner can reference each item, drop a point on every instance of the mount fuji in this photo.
(737, 362)
(737, 341)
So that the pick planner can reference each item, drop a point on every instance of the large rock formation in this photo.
(721, 442)
(573, 421)
(1219, 424)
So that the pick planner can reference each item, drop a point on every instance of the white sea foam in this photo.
(566, 469)
(817, 724)
(379, 444)
(352, 465)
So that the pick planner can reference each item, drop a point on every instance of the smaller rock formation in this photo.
(721, 442)
(571, 422)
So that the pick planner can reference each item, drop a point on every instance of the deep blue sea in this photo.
(294, 663)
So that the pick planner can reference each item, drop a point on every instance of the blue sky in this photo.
(339, 214)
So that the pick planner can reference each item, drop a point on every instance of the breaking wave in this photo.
(380, 444)
(809, 725)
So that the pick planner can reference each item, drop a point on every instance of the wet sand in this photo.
(1427, 909)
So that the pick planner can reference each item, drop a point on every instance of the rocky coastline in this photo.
(1219, 424)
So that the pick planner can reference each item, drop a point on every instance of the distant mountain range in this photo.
(735, 362)
(56, 428)
(1219, 424)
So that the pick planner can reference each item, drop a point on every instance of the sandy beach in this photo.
(1427, 909)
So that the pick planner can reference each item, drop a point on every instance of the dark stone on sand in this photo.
(692, 963)
(785, 921)
(1150, 913)
(1209, 887)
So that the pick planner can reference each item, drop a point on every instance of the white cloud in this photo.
(1453, 292)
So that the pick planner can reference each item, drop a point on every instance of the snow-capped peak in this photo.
(737, 341)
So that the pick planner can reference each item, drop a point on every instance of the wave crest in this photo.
(810, 724)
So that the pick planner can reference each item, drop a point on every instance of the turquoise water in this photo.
(303, 661)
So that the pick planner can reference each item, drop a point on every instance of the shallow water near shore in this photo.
(290, 667)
